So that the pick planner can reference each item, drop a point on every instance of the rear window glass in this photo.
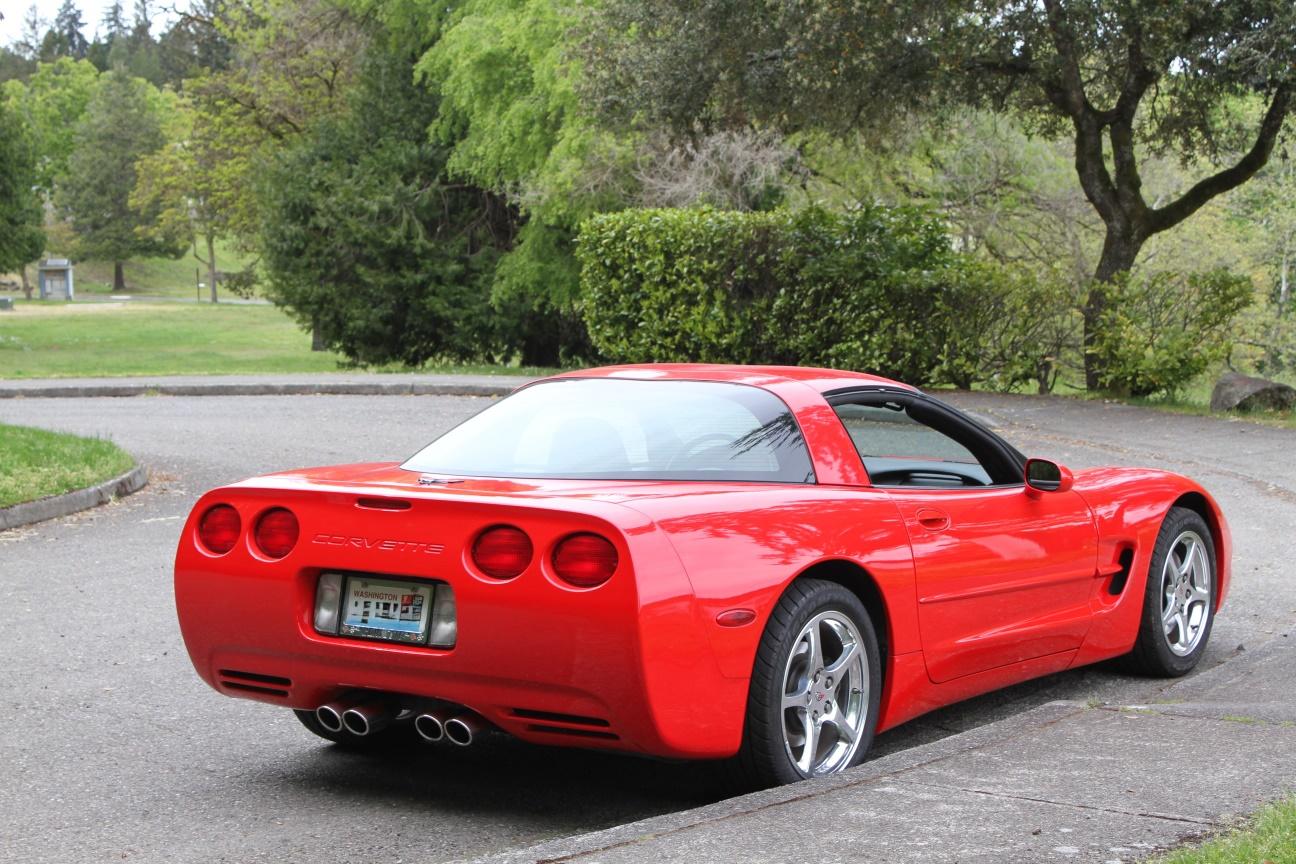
(625, 429)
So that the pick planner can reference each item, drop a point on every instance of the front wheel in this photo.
(815, 689)
(1179, 603)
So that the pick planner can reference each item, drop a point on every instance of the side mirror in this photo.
(1045, 476)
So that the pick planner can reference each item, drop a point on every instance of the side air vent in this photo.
(1121, 576)
(254, 682)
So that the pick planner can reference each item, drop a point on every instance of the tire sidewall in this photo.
(1176, 522)
(766, 696)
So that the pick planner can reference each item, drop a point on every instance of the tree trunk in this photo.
(317, 335)
(1120, 248)
(211, 265)
(27, 286)
(119, 277)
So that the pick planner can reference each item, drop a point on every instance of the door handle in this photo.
(933, 520)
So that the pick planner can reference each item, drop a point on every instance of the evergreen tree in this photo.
(69, 40)
(33, 34)
(21, 239)
(121, 124)
(115, 22)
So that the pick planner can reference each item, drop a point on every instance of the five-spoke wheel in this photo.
(813, 703)
(1179, 604)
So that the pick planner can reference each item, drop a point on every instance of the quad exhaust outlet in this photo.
(436, 726)
(362, 720)
(431, 726)
(462, 729)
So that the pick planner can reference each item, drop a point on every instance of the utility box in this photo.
(55, 279)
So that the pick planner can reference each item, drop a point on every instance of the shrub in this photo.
(1160, 331)
(855, 290)
(1006, 327)
(872, 289)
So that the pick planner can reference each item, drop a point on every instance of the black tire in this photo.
(1163, 653)
(399, 734)
(766, 756)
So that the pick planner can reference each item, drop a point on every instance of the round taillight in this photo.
(276, 532)
(218, 529)
(585, 560)
(502, 552)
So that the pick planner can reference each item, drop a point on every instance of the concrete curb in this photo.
(216, 388)
(631, 833)
(74, 502)
(1201, 692)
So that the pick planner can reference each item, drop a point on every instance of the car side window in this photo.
(898, 450)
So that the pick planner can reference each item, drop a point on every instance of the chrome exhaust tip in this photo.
(330, 714)
(461, 730)
(362, 720)
(431, 726)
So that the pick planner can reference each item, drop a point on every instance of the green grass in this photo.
(71, 340)
(1269, 837)
(160, 277)
(37, 464)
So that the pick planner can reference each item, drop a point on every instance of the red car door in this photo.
(1002, 575)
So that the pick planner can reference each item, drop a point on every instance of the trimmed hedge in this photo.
(874, 289)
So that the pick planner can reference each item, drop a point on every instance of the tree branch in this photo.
(1191, 201)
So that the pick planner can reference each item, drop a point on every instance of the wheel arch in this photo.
(1209, 511)
(860, 582)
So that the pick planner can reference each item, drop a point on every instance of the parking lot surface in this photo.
(116, 751)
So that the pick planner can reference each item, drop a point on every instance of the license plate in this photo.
(386, 609)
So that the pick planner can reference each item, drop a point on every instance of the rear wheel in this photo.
(813, 703)
(1179, 602)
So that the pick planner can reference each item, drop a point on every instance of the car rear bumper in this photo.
(621, 666)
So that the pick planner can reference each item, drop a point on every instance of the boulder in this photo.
(1245, 393)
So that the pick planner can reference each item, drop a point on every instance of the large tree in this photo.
(122, 123)
(51, 103)
(366, 240)
(1123, 77)
(21, 239)
(198, 185)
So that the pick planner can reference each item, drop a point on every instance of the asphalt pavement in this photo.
(116, 751)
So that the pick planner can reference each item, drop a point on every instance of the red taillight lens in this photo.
(276, 532)
(218, 529)
(585, 560)
(502, 552)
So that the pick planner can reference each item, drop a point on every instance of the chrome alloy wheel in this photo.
(825, 694)
(1185, 593)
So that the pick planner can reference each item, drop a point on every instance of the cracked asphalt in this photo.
(116, 751)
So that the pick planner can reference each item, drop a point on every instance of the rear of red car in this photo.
(358, 586)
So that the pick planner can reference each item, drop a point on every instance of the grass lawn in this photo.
(83, 340)
(157, 277)
(1269, 838)
(37, 464)
(59, 340)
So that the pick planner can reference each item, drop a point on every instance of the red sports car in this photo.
(703, 562)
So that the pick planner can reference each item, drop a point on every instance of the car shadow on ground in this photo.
(563, 790)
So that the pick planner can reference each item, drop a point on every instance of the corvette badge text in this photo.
(383, 545)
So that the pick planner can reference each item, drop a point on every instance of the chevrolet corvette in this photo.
(766, 565)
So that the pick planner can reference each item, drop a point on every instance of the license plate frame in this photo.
(388, 609)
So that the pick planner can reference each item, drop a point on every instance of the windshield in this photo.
(617, 429)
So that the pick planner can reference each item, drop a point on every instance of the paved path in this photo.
(334, 384)
(130, 757)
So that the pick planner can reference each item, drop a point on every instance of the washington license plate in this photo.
(386, 609)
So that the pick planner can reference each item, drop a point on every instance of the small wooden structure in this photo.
(55, 279)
